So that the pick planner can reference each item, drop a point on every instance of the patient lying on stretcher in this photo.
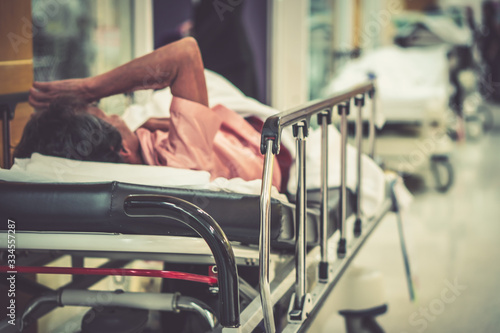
(194, 137)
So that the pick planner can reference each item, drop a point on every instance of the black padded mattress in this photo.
(98, 207)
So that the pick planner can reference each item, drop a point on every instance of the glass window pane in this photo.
(320, 48)
(81, 38)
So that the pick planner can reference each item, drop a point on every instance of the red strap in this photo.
(111, 271)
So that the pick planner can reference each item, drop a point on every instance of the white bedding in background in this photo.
(410, 81)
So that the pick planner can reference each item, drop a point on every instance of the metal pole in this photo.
(324, 119)
(343, 111)
(300, 217)
(265, 239)
(371, 135)
(406, 260)
(6, 136)
(360, 102)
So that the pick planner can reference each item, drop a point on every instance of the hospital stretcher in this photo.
(413, 114)
(125, 222)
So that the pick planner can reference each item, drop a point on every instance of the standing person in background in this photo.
(224, 44)
(219, 30)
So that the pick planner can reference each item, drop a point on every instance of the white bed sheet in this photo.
(49, 169)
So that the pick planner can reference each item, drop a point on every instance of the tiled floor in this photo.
(454, 242)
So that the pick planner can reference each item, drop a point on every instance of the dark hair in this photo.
(66, 130)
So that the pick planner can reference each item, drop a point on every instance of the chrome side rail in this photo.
(270, 142)
(265, 239)
(297, 311)
(284, 280)
(338, 267)
(274, 125)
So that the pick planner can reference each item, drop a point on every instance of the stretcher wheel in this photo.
(442, 171)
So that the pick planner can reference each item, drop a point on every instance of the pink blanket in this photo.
(216, 140)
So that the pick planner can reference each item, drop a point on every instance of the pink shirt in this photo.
(216, 140)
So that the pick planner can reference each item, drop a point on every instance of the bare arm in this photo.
(178, 65)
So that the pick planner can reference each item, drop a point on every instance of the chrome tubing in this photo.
(343, 111)
(33, 305)
(191, 304)
(360, 103)
(265, 239)
(275, 124)
(97, 298)
(174, 209)
(324, 119)
(399, 218)
(103, 298)
(300, 218)
(371, 135)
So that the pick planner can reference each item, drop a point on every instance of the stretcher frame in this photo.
(291, 273)
(302, 302)
(414, 139)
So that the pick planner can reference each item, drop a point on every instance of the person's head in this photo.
(67, 130)
(131, 151)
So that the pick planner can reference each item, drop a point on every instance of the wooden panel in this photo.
(17, 76)
(15, 30)
(23, 114)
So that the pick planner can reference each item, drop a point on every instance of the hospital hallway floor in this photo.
(454, 245)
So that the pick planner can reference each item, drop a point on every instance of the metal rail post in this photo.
(343, 112)
(265, 239)
(360, 103)
(324, 119)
